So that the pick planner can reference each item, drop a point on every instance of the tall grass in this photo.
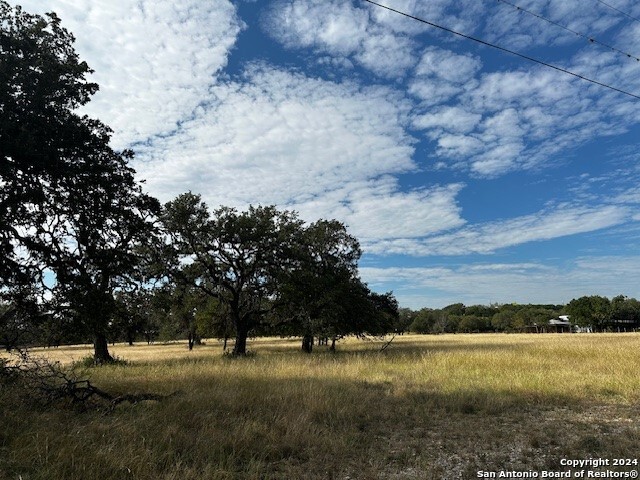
(428, 407)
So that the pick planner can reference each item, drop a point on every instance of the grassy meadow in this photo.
(428, 407)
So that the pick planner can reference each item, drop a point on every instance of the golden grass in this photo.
(428, 407)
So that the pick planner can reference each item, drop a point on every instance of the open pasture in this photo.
(427, 407)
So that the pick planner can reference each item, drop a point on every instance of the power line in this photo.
(618, 10)
(512, 52)
(586, 37)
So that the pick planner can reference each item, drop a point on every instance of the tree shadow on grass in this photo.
(242, 425)
(411, 349)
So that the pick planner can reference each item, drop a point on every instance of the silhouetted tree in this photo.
(69, 204)
(314, 293)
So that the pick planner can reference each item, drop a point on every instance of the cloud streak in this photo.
(484, 283)
(487, 238)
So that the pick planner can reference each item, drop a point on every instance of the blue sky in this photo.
(468, 175)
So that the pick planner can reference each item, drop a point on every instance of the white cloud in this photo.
(378, 43)
(555, 112)
(157, 61)
(450, 119)
(447, 65)
(520, 30)
(338, 27)
(381, 211)
(443, 74)
(453, 146)
(308, 135)
(386, 54)
(153, 59)
(527, 116)
(325, 149)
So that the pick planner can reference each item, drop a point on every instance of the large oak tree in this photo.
(324, 296)
(70, 207)
(264, 267)
(238, 258)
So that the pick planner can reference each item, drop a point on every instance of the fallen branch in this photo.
(384, 347)
(48, 383)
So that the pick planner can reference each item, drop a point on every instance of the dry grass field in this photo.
(428, 407)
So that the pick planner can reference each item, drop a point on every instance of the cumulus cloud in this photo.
(447, 66)
(379, 43)
(157, 62)
(527, 116)
(493, 121)
(451, 119)
(309, 135)
(519, 29)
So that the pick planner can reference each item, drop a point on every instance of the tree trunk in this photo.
(307, 343)
(333, 344)
(101, 349)
(242, 332)
(192, 341)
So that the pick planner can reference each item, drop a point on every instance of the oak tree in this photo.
(238, 258)
(72, 213)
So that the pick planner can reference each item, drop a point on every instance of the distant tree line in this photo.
(87, 255)
(590, 313)
(458, 318)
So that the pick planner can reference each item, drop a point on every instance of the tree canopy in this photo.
(264, 265)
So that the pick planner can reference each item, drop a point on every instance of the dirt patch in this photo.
(458, 446)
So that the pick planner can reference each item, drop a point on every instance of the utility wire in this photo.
(586, 37)
(617, 10)
(512, 52)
